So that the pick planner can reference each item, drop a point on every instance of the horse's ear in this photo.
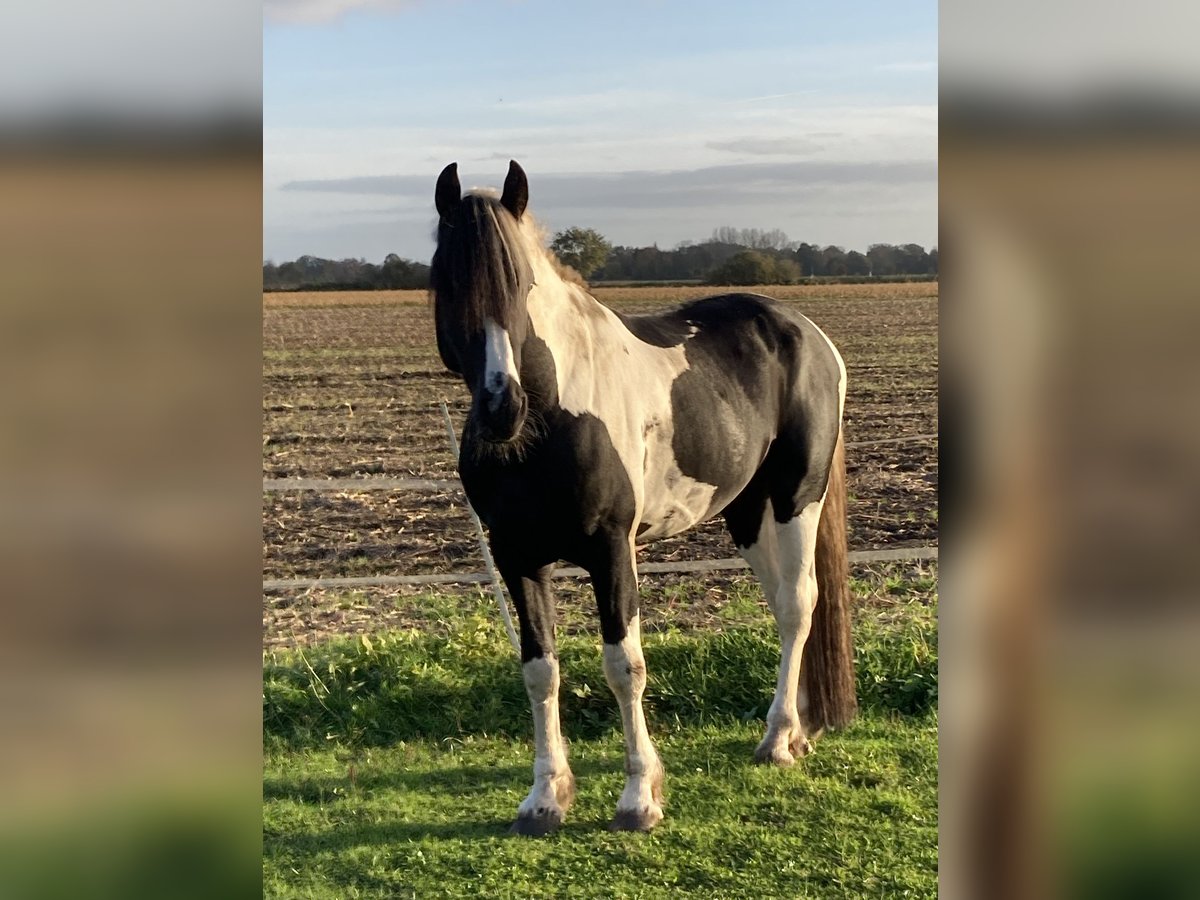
(516, 190)
(448, 193)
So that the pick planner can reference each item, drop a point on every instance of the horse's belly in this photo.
(673, 511)
(719, 459)
(673, 502)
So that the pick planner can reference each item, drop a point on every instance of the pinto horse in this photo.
(591, 432)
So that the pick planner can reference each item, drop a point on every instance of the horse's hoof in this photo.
(636, 819)
(773, 756)
(537, 824)
(564, 792)
(800, 746)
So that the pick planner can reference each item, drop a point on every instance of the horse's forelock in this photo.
(481, 260)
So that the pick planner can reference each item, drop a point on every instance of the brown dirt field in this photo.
(352, 383)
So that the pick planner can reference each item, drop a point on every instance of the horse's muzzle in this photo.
(501, 415)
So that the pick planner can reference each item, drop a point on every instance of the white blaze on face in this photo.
(500, 366)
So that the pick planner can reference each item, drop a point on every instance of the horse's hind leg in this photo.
(752, 528)
(781, 555)
(615, 581)
(795, 600)
(543, 810)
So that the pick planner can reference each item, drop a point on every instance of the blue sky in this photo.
(651, 121)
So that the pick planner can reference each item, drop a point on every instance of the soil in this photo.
(352, 385)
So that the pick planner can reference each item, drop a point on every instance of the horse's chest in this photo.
(571, 482)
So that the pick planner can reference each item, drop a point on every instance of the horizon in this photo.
(708, 240)
(819, 122)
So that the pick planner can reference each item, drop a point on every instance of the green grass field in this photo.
(394, 764)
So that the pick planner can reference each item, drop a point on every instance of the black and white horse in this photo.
(590, 432)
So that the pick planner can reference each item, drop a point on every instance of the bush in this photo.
(753, 267)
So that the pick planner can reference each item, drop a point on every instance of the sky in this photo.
(652, 122)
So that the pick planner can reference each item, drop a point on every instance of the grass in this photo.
(377, 690)
(428, 818)
(394, 764)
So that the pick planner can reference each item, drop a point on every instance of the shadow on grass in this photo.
(454, 779)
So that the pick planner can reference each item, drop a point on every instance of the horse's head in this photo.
(481, 277)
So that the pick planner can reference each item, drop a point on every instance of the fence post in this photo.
(497, 587)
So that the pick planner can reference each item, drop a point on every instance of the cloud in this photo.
(711, 186)
(775, 96)
(924, 66)
(309, 11)
(768, 146)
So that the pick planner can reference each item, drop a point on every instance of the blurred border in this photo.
(130, 518)
(1069, 725)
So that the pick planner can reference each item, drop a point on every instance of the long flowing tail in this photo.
(827, 673)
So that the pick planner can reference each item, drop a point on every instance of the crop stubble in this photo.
(352, 384)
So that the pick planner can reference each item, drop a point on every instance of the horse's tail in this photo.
(827, 673)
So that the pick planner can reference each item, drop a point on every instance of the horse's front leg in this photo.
(543, 810)
(615, 581)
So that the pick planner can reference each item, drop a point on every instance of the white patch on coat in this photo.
(625, 672)
(500, 364)
(602, 369)
(763, 556)
(550, 759)
(841, 364)
(795, 599)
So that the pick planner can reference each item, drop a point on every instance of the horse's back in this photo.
(759, 376)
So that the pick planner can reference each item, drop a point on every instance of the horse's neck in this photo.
(579, 331)
(567, 314)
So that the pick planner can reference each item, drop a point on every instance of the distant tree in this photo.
(583, 249)
(886, 259)
(753, 238)
(809, 259)
(857, 264)
(913, 259)
(786, 271)
(833, 261)
(756, 267)
(398, 274)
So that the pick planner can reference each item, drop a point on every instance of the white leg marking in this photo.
(795, 599)
(625, 671)
(552, 779)
(500, 365)
(763, 557)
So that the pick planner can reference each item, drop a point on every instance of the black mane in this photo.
(479, 270)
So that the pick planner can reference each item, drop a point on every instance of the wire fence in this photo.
(433, 485)
(491, 576)
(896, 554)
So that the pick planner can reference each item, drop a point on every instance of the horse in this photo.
(590, 432)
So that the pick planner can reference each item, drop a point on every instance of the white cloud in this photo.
(785, 146)
(775, 96)
(924, 66)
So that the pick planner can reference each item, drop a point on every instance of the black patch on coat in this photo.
(757, 367)
(567, 497)
(669, 330)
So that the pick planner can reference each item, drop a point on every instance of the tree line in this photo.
(753, 256)
(730, 256)
(311, 273)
